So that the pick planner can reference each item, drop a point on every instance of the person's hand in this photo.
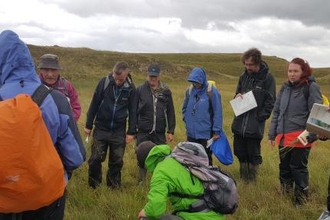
(322, 137)
(272, 142)
(216, 137)
(311, 138)
(169, 137)
(129, 138)
(87, 131)
(142, 214)
(239, 95)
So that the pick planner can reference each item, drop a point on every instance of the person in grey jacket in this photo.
(155, 112)
(290, 114)
(248, 128)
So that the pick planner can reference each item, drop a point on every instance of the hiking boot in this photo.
(286, 187)
(243, 171)
(301, 197)
(253, 172)
(93, 183)
(142, 175)
(325, 215)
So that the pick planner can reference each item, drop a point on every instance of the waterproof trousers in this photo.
(102, 141)
(248, 152)
(294, 172)
(54, 211)
(157, 138)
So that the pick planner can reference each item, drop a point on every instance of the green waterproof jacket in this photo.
(170, 176)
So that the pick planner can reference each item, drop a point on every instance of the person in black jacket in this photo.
(248, 128)
(113, 101)
(155, 112)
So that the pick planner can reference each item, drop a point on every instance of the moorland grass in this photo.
(84, 67)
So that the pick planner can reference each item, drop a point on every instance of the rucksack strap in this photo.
(182, 195)
(40, 94)
(106, 82)
(198, 206)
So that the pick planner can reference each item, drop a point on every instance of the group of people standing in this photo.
(154, 119)
(119, 112)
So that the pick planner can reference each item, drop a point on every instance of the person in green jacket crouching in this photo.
(169, 177)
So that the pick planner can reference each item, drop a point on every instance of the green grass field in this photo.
(263, 200)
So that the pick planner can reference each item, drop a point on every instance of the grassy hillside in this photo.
(84, 67)
(84, 63)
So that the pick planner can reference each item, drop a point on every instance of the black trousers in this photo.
(293, 166)
(102, 141)
(247, 150)
(54, 211)
(157, 138)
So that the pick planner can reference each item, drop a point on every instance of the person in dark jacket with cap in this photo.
(49, 70)
(114, 101)
(248, 128)
(155, 111)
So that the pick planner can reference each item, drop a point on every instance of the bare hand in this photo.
(239, 95)
(87, 131)
(169, 137)
(129, 138)
(216, 137)
(142, 214)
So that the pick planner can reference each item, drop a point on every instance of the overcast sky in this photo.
(283, 28)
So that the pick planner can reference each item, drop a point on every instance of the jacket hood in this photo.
(156, 155)
(309, 80)
(16, 62)
(198, 75)
(262, 73)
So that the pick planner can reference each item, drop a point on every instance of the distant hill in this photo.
(85, 63)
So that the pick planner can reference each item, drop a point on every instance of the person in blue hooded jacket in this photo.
(202, 110)
(18, 76)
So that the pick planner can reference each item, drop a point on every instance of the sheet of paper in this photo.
(242, 105)
(209, 142)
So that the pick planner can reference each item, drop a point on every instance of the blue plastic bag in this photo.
(222, 150)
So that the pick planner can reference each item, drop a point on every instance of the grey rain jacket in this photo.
(292, 108)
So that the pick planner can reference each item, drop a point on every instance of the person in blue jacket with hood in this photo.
(18, 76)
(202, 110)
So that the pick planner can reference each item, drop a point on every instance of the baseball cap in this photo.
(154, 69)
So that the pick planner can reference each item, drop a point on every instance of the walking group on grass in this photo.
(120, 113)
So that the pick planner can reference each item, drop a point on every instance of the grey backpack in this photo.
(220, 190)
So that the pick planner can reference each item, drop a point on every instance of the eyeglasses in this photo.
(249, 64)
